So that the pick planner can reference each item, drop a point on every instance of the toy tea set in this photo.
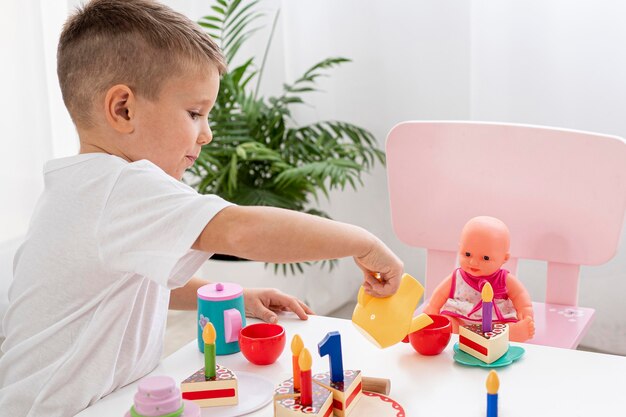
(221, 316)
(338, 392)
(384, 321)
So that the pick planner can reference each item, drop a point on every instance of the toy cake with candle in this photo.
(487, 341)
(488, 346)
(306, 394)
(158, 396)
(346, 393)
(213, 385)
(220, 389)
(345, 385)
(310, 399)
(287, 401)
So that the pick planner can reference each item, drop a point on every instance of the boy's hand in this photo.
(264, 303)
(382, 270)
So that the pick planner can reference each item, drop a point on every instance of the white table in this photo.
(544, 382)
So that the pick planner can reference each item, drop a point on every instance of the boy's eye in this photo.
(486, 258)
(194, 115)
(468, 254)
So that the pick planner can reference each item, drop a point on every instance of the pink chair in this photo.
(562, 194)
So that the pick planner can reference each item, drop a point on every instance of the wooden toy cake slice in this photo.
(345, 393)
(287, 401)
(210, 392)
(488, 346)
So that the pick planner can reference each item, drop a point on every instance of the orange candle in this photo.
(306, 383)
(296, 349)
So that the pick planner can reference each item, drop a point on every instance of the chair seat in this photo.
(559, 325)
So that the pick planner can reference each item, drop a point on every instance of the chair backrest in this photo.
(562, 193)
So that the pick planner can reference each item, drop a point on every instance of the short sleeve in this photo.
(149, 222)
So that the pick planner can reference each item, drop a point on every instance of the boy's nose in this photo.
(205, 136)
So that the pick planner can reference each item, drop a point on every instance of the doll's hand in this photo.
(382, 270)
(264, 303)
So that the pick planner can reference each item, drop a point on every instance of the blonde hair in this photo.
(139, 43)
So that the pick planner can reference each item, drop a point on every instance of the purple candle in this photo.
(487, 296)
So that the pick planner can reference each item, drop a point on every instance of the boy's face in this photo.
(170, 130)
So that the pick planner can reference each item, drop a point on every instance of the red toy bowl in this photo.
(432, 339)
(262, 343)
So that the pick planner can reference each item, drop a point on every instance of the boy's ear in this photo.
(119, 104)
(507, 256)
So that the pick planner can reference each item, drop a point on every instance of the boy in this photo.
(115, 230)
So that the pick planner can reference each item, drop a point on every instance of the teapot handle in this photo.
(232, 325)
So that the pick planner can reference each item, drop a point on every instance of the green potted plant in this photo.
(260, 155)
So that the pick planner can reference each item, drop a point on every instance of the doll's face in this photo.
(483, 248)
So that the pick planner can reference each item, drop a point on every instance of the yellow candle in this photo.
(493, 383)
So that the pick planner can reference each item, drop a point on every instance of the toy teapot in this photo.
(387, 321)
(222, 304)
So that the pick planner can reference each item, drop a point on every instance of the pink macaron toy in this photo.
(158, 396)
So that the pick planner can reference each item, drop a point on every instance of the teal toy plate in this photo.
(511, 355)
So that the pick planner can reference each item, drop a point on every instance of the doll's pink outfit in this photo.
(465, 300)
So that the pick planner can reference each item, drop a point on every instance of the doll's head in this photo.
(484, 246)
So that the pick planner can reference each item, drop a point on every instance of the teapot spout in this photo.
(420, 322)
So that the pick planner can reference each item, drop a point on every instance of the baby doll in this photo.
(483, 249)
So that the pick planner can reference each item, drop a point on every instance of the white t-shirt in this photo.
(89, 298)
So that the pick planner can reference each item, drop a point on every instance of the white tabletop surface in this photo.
(544, 382)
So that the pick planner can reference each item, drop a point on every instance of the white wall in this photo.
(35, 125)
(25, 115)
(558, 63)
(410, 61)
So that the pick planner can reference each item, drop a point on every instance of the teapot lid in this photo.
(220, 291)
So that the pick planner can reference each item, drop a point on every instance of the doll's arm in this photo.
(519, 297)
(439, 297)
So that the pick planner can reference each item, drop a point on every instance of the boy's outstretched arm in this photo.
(277, 235)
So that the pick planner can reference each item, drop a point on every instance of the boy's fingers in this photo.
(296, 307)
(374, 293)
(376, 287)
(306, 308)
(374, 281)
(292, 304)
(266, 314)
